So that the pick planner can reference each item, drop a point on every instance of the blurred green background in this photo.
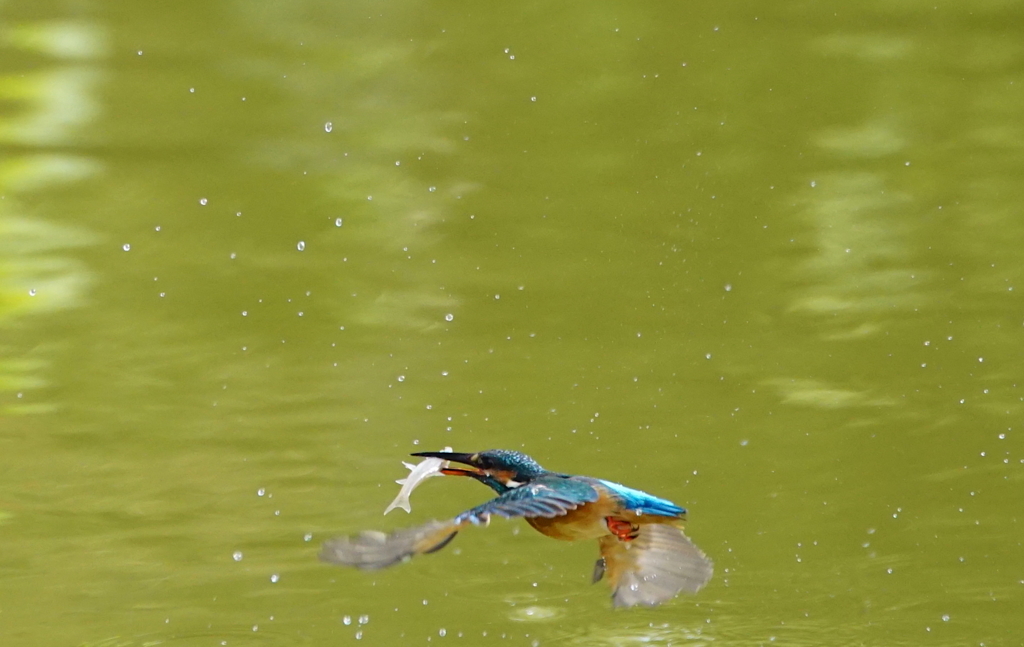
(761, 258)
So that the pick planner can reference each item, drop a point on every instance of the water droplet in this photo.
(728, 287)
(347, 620)
(945, 617)
(203, 201)
(32, 292)
(301, 246)
(364, 619)
(237, 555)
(401, 378)
(328, 127)
(442, 632)
(255, 627)
(432, 189)
(449, 317)
(359, 635)
(707, 356)
(274, 578)
(337, 222)
(126, 247)
(307, 537)
(245, 313)
(261, 492)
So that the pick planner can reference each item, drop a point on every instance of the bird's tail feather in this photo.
(371, 550)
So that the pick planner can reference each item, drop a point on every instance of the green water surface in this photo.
(764, 259)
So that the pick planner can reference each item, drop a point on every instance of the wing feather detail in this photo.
(653, 568)
(541, 498)
(371, 550)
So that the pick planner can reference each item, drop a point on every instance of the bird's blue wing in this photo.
(540, 498)
(639, 501)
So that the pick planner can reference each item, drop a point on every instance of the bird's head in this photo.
(501, 466)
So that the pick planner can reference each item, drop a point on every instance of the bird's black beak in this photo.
(465, 459)
(455, 457)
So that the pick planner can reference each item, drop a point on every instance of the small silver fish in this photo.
(417, 474)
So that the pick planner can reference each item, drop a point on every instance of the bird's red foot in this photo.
(622, 529)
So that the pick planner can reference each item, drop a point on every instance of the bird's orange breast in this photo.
(585, 522)
(589, 520)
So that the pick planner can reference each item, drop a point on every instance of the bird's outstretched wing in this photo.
(371, 550)
(544, 497)
(653, 568)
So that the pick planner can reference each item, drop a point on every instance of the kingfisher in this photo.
(644, 555)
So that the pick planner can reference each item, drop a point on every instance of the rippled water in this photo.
(763, 260)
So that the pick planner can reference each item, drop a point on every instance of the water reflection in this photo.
(56, 104)
(657, 632)
(60, 39)
(877, 138)
(819, 394)
(383, 164)
(536, 613)
(860, 264)
(866, 46)
(52, 100)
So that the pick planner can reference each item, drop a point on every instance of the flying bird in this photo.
(645, 556)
